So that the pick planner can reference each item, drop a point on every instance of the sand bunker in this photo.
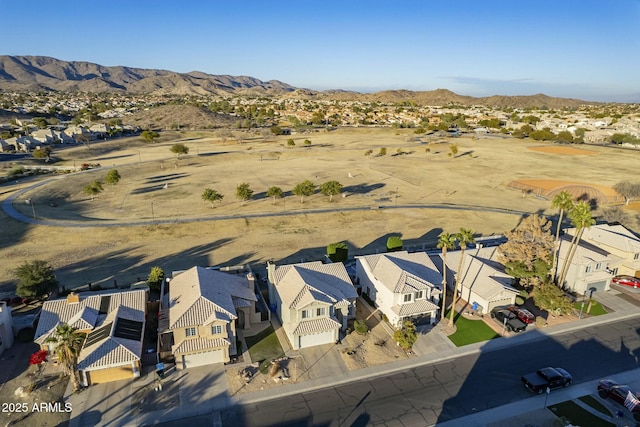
(548, 189)
(561, 150)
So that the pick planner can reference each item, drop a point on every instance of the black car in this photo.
(547, 378)
(508, 319)
(618, 393)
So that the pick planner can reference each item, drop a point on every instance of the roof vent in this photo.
(73, 298)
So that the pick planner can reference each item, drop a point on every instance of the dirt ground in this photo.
(288, 374)
(108, 256)
(560, 149)
(50, 387)
(377, 347)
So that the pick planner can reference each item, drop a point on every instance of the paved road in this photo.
(439, 392)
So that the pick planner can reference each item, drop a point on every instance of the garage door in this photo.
(317, 339)
(206, 358)
(599, 286)
(112, 374)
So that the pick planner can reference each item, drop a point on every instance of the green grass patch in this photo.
(264, 347)
(470, 331)
(573, 413)
(596, 308)
(593, 402)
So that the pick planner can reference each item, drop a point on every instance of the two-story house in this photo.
(114, 323)
(404, 286)
(204, 309)
(589, 269)
(618, 241)
(483, 282)
(314, 301)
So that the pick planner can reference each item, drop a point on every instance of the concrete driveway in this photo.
(320, 361)
(187, 393)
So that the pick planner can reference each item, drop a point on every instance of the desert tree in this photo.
(464, 237)
(307, 143)
(394, 243)
(304, 189)
(112, 177)
(528, 250)
(93, 189)
(291, 142)
(581, 218)
(42, 153)
(179, 149)
(40, 122)
(150, 135)
(275, 193)
(453, 148)
(338, 252)
(382, 152)
(68, 343)
(629, 190)
(551, 298)
(614, 214)
(330, 188)
(211, 196)
(446, 241)
(406, 336)
(564, 202)
(244, 192)
(35, 279)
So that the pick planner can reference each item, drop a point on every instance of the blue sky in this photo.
(570, 48)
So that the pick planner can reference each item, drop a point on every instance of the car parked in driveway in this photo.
(609, 389)
(508, 319)
(623, 280)
(544, 378)
(523, 314)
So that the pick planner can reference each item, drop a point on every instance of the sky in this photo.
(585, 49)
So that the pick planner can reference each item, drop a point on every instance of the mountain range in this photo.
(36, 73)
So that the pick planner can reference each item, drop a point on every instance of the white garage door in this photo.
(199, 359)
(316, 339)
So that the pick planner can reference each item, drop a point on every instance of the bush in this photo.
(406, 337)
(18, 170)
(394, 243)
(541, 322)
(338, 252)
(360, 327)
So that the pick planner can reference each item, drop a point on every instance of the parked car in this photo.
(16, 301)
(544, 378)
(508, 319)
(618, 393)
(523, 314)
(623, 280)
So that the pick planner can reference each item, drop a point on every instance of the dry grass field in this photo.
(159, 189)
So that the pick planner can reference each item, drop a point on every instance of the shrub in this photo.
(406, 336)
(541, 322)
(360, 327)
(394, 243)
(338, 252)
(18, 170)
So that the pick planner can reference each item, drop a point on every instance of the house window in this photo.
(407, 297)
(191, 332)
(636, 257)
(216, 329)
(320, 311)
(588, 269)
(615, 271)
(305, 314)
(419, 294)
(599, 266)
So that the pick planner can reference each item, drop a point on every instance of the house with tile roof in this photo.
(484, 284)
(404, 286)
(616, 240)
(205, 307)
(313, 300)
(114, 323)
(590, 269)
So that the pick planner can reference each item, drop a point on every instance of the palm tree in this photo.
(581, 218)
(564, 202)
(464, 237)
(68, 343)
(446, 241)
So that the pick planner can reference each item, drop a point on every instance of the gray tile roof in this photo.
(417, 307)
(615, 236)
(404, 272)
(313, 326)
(113, 351)
(200, 296)
(200, 344)
(302, 284)
(59, 311)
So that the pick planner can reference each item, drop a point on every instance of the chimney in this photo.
(73, 298)
(251, 281)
